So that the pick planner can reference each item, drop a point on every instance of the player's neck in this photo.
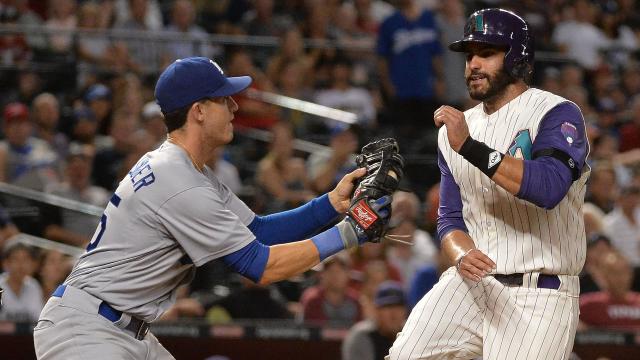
(510, 92)
(190, 145)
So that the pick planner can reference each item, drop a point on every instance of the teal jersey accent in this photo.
(521, 146)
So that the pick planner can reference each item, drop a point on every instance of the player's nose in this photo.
(473, 61)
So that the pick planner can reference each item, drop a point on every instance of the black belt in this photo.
(544, 281)
(138, 327)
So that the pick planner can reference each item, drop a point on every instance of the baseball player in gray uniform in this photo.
(169, 215)
(513, 178)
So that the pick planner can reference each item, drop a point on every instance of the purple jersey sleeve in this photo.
(450, 208)
(562, 128)
(546, 179)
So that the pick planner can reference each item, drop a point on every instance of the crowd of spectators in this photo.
(78, 111)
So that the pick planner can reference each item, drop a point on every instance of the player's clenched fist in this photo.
(457, 129)
(474, 265)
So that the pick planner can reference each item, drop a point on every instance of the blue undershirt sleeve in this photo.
(250, 261)
(296, 224)
(450, 208)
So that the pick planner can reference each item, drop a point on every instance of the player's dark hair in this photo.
(176, 119)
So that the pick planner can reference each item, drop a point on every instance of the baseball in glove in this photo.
(384, 171)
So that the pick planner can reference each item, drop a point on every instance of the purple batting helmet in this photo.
(501, 28)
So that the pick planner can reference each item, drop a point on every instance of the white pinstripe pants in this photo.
(460, 319)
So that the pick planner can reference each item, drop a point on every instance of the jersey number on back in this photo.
(115, 200)
(103, 226)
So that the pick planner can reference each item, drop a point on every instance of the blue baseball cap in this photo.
(188, 80)
(389, 293)
(97, 92)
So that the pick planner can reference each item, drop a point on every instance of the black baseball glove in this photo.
(384, 171)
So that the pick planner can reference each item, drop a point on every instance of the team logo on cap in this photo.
(217, 66)
(479, 23)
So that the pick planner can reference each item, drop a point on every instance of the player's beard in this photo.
(496, 85)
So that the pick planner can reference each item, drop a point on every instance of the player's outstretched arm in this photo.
(306, 220)
(287, 260)
(366, 220)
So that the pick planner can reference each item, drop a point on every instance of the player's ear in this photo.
(198, 111)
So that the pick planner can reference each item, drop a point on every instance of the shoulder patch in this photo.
(569, 132)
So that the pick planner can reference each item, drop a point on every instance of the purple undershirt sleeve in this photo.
(450, 208)
(546, 179)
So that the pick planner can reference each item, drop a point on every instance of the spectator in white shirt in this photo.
(579, 38)
(22, 298)
(622, 225)
(344, 96)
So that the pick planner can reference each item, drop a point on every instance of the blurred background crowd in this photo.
(76, 91)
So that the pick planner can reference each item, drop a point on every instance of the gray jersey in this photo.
(164, 217)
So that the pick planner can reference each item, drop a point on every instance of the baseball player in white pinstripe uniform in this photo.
(513, 178)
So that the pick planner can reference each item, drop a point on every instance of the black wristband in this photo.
(481, 156)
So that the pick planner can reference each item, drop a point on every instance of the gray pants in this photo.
(71, 328)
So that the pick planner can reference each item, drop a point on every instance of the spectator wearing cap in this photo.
(372, 338)
(331, 301)
(98, 99)
(622, 225)
(22, 298)
(24, 159)
(72, 227)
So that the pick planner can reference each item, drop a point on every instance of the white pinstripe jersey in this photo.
(517, 235)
